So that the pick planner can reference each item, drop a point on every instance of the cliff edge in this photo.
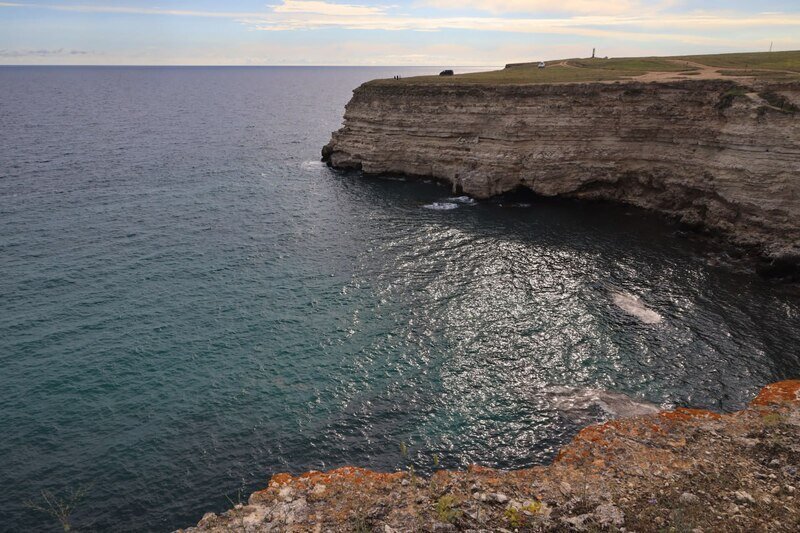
(719, 155)
(681, 470)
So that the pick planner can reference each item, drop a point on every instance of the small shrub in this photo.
(779, 101)
(60, 509)
(403, 449)
(239, 498)
(772, 419)
(534, 507)
(361, 524)
(412, 474)
(445, 509)
(681, 521)
(514, 517)
(727, 98)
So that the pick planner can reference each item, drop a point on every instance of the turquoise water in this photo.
(191, 302)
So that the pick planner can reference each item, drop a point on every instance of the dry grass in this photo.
(520, 75)
(755, 60)
(769, 75)
(631, 64)
(766, 65)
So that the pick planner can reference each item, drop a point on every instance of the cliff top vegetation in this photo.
(774, 66)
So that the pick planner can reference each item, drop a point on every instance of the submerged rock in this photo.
(583, 405)
(632, 305)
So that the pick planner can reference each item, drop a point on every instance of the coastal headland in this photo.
(711, 140)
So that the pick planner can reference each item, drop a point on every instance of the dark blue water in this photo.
(190, 302)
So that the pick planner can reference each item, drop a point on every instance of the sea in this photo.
(191, 302)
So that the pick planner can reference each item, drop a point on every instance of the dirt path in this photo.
(702, 72)
(699, 72)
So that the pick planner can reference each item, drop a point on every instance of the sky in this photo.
(394, 32)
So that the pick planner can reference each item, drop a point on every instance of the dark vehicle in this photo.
(447, 72)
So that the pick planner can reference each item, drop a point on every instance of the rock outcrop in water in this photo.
(681, 470)
(715, 154)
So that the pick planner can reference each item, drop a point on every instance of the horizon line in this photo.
(239, 66)
(379, 66)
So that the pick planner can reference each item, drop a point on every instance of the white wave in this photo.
(632, 305)
(441, 206)
(584, 405)
(311, 165)
(466, 200)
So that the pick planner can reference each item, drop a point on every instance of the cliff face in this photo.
(682, 470)
(717, 155)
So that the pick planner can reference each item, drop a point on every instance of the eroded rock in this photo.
(672, 149)
(626, 473)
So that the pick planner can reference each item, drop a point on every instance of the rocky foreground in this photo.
(681, 470)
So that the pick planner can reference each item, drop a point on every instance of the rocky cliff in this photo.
(717, 155)
(682, 470)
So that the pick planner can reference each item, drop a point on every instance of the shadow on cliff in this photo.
(710, 246)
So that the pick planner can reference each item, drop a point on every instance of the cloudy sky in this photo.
(394, 32)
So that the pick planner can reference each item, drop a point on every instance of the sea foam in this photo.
(441, 206)
(465, 200)
(311, 165)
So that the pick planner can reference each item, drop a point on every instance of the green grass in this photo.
(574, 70)
(779, 102)
(726, 100)
(631, 64)
(446, 510)
(755, 60)
(520, 75)
(774, 75)
(762, 65)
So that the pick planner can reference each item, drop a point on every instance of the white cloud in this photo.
(646, 26)
(541, 6)
(622, 17)
(319, 7)
(41, 52)
(621, 23)
(129, 10)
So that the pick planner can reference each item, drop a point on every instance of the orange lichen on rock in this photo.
(478, 469)
(778, 393)
(589, 441)
(683, 414)
(280, 479)
(633, 471)
(344, 475)
(596, 442)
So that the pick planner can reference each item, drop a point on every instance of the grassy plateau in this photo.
(757, 65)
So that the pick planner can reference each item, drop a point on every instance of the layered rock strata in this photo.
(717, 155)
(681, 470)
